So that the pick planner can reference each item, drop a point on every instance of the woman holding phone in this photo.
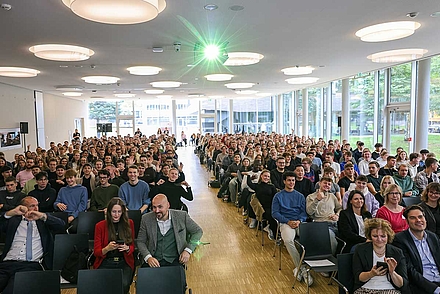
(114, 241)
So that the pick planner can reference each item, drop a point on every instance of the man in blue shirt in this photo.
(135, 192)
(421, 249)
(289, 209)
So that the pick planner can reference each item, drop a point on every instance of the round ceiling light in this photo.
(18, 72)
(388, 31)
(100, 80)
(153, 91)
(144, 70)
(246, 92)
(166, 84)
(239, 85)
(399, 55)
(68, 88)
(242, 58)
(116, 11)
(210, 7)
(297, 70)
(59, 52)
(72, 94)
(303, 80)
(219, 77)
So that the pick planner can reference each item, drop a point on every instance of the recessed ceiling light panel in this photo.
(239, 85)
(303, 80)
(297, 70)
(72, 94)
(166, 84)
(100, 80)
(153, 91)
(144, 70)
(69, 88)
(116, 11)
(242, 58)
(219, 77)
(59, 52)
(400, 55)
(18, 72)
(210, 7)
(388, 31)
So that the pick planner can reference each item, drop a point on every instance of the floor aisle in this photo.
(234, 261)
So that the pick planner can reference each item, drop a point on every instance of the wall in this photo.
(17, 104)
(59, 116)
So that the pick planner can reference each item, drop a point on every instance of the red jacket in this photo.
(101, 240)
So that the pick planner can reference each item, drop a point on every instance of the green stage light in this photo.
(211, 52)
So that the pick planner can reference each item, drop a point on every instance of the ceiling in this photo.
(319, 33)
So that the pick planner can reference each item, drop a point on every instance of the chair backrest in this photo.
(105, 281)
(411, 200)
(135, 216)
(316, 238)
(87, 221)
(38, 282)
(345, 271)
(63, 246)
(166, 279)
(62, 215)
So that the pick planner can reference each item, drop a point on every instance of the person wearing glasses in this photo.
(430, 204)
(392, 211)
(103, 193)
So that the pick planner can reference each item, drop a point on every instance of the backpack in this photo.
(77, 260)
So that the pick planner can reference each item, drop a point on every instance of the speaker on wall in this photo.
(100, 128)
(339, 121)
(24, 127)
(108, 128)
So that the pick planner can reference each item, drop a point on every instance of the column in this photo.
(231, 116)
(174, 118)
(422, 105)
(329, 111)
(305, 112)
(345, 113)
(280, 115)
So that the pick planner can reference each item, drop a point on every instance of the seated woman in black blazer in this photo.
(351, 220)
(378, 266)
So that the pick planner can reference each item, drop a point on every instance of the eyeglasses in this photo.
(434, 192)
(103, 178)
(394, 193)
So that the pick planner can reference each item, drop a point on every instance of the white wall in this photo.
(59, 115)
(16, 105)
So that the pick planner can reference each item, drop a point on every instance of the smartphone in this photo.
(384, 265)
(120, 242)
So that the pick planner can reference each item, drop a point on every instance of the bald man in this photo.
(162, 239)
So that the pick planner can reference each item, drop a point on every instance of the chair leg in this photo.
(262, 235)
(258, 227)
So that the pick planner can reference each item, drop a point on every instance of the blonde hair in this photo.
(389, 189)
(379, 224)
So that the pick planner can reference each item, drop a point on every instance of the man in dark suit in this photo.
(421, 249)
(29, 239)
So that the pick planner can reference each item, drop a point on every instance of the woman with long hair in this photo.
(114, 241)
(386, 181)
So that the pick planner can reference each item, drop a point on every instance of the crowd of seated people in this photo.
(314, 180)
(108, 175)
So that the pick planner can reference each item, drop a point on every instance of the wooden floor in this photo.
(234, 261)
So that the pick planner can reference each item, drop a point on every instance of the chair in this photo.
(278, 243)
(259, 211)
(62, 215)
(87, 221)
(100, 281)
(314, 243)
(37, 282)
(63, 246)
(167, 279)
(411, 200)
(135, 216)
(345, 278)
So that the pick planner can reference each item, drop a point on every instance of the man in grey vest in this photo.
(162, 239)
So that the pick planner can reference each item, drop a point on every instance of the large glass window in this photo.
(150, 115)
(381, 105)
(186, 117)
(287, 112)
(299, 116)
(336, 109)
(400, 83)
(434, 106)
(265, 109)
(102, 112)
(315, 118)
(223, 115)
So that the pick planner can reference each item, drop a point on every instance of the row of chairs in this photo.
(106, 281)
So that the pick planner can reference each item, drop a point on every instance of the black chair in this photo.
(135, 216)
(62, 215)
(278, 243)
(411, 200)
(63, 246)
(314, 243)
(100, 281)
(345, 278)
(166, 279)
(87, 221)
(37, 282)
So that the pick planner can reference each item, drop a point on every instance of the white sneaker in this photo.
(325, 274)
(270, 235)
(253, 223)
(266, 229)
(299, 277)
(307, 276)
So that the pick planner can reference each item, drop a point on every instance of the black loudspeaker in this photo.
(100, 128)
(24, 127)
(108, 128)
(339, 121)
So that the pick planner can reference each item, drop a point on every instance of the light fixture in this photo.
(100, 80)
(216, 97)
(153, 91)
(72, 94)
(242, 58)
(239, 85)
(125, 95)
(59, 52)
(210, 7)
(69, 88)
(388, 31)
(144, 70)
(303, 80)
(18, 72)
(166, 84)
(262, 94)
(298, 70)
(399, 55)
(164, 96)
(116, 11)
(210, 51)
(219, 77)
(246, 92)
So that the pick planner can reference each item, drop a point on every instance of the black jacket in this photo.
(348, 228)
(45, 198)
